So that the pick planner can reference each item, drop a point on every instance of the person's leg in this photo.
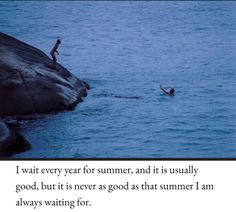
(54, 60)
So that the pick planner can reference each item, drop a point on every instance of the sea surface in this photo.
(125, 50)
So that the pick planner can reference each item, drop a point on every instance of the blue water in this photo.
(125, 50)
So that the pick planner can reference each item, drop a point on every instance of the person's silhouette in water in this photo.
(171, 92)
(53, 53)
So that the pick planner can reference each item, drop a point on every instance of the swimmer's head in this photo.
(172, 90)
(58, 41)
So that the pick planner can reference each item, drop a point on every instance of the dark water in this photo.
(125, 50)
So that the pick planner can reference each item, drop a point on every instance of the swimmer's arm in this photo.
(164, 90)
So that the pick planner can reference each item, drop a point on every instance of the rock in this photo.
(28, 85)
(11, 141)
(86, 84)
(4, 132)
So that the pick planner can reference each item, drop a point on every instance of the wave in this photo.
(110, 95)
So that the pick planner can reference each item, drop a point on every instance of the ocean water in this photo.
(125, 50)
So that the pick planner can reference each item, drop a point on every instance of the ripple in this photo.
(110, 95)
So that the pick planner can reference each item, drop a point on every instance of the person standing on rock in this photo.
(53, 53)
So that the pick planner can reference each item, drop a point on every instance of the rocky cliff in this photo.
(28, 85)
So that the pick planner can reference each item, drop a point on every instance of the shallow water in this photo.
(125, 50)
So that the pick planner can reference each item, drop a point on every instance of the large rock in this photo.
(4, 132)
(28, 85)
(11, 141)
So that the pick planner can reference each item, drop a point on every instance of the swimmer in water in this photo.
(171, 92)
(53, 52)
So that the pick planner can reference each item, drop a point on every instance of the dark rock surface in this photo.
(11, 141)
(29, 86)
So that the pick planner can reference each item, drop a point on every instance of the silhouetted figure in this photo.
(53, 51)
(171, 92)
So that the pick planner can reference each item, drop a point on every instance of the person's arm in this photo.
(55, 48)
(164, 90)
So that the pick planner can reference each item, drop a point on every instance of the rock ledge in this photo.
(29, 86)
